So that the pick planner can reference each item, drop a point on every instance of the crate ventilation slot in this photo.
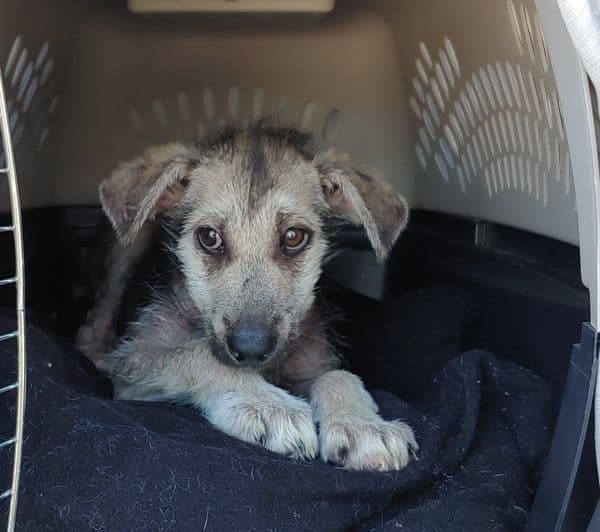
(32, 93)
(499, 125)
(183, 116)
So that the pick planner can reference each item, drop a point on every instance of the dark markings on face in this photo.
(225, 139)
(256, 155)
(260, 180)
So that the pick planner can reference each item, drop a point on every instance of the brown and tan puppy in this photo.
(235, 330)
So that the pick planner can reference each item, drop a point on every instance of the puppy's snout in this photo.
(251, 343)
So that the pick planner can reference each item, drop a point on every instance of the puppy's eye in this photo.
(293, 241)
(210, 240)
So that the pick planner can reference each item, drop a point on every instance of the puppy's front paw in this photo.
(366, 442)
(276, 421)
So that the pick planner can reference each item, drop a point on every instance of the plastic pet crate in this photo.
(483, 113)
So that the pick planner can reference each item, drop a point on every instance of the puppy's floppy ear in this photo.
(139, 189)
(363, 200)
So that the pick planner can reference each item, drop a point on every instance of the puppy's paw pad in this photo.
(367, 443)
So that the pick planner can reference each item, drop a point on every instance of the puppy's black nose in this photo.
(251, 343)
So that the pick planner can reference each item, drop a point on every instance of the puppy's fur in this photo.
(250, 186)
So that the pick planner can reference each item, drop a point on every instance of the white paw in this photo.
(366, 442)
(275, 420)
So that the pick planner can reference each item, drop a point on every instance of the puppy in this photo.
(233, 328)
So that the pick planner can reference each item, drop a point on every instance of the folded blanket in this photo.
(91, 463)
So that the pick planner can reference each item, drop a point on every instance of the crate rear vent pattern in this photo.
(502, 123)
(32, 95)
(184, 118)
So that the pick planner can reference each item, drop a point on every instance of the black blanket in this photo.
(91, 463)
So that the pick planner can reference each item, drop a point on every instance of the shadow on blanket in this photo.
(91, 463)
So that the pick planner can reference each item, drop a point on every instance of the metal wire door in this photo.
(8, 176)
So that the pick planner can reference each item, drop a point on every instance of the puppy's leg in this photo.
(260, 413)
(351, 432)
(96, 335)
(236, 400)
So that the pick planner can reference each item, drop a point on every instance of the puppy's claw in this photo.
(301, 448)
(342, 454)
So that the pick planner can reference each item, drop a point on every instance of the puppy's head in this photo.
(251, 209)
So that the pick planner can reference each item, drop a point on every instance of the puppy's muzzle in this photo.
(251, 344)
